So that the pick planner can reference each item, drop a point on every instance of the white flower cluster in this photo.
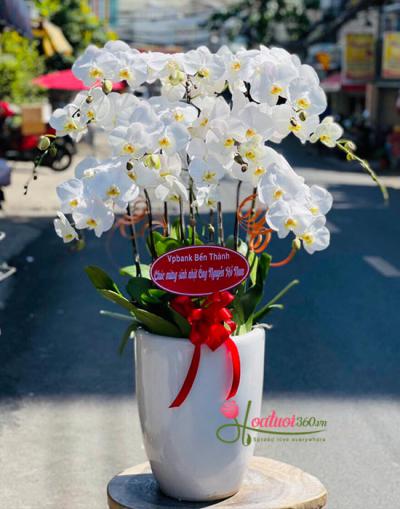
(213, 118)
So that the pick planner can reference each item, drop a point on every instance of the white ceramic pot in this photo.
(186, 457)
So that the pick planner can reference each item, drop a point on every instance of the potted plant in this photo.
(196, 309)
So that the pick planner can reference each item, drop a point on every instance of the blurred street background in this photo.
(68, 417)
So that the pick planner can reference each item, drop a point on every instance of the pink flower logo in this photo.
(230, 409)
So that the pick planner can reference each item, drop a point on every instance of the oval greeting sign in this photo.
(199, 270)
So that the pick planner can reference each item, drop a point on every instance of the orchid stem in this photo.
(150, 217)
(166, 220)
(192, 218)
(220, 225)
(236, 225)
(211, 229)
(252, 209)
(135, 252)
(181, 220)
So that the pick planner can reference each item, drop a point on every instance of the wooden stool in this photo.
(269, 484)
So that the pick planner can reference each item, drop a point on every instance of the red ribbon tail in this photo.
(232, 348)
(190, 377)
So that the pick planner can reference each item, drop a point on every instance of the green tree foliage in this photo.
(79, 24)
(264, 21)
(20, 62)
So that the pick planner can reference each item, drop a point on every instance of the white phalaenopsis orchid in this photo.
(216, 116)
(327, 132)
(64, 229)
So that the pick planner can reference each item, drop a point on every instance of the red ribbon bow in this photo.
(211, 325)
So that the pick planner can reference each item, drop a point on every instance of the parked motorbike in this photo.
(15, 146)
(18, 147)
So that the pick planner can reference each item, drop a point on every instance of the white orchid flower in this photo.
(173, 139)
(206, 172)
(87, 167)
(270, 79)
(171, 189)
(219, 143)
(174, 112)
(311, 100)
(327, 132)
(288, 216)
(316, 237)
(113, 184)
(95, 216)
(303, 129)
(237, 67)
(280, 182)
(319, 200)
(207, 196)
(250, 121)
(94, 106)
(207, 69)
(64, 229)
(132, 141)
(67, 120)
(285, 121)
(251, 172)
(70, 194)
(121, 108)
(169, 165)
(173, 77)
(143, 176)
(211, 109)
(95, 65)
(252, 151)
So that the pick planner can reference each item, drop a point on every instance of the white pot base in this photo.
(188, 460)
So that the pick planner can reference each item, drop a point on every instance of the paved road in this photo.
(68, 418)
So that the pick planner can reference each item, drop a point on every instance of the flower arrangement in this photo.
(217, 116)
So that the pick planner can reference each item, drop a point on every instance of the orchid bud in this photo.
(53, 150)
(152, 161)
(296, 244)
(43, 143)
(176, 77)
(349, 145)
(107, 86)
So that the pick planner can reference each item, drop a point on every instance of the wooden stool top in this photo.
(269, 484)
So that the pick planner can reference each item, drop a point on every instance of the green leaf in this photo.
(150, 321)
(156, 324)
(138, 285)
(165, 245)
(238, 313)
(273, 302)
(130, 271)
(175, 230)
(197, 239)
(181, 322)
(100, 279)
(119, 299)
(118, 316)
(153, 296)
(127, 336)
(242, 246)
(253, 262)
(253, 295)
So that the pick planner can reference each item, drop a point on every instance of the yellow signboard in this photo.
(359, 61)
(391, 55)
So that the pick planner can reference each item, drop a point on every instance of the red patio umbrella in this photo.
(66, 80)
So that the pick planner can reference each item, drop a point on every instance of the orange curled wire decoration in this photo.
(138, 214)
(259, 235)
